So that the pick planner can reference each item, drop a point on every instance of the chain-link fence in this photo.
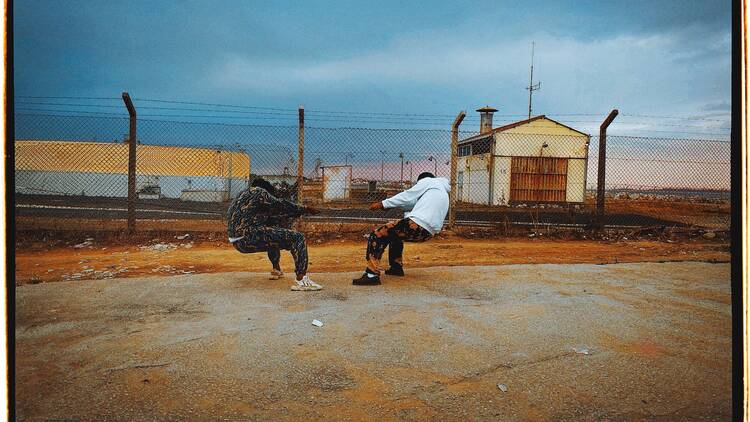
(73, 168)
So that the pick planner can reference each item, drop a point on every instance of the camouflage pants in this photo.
(272, 240)
(392, 235)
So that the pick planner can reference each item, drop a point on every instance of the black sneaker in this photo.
(398, 272)
(366, 280)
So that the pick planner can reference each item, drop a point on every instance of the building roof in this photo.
(516, 124)
(112, 158)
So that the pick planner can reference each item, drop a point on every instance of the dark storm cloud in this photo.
(641, 56)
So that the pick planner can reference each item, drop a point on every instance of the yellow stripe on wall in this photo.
(98, 157)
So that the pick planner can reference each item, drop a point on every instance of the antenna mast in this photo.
(532, 87)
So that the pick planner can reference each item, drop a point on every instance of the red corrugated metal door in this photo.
(538, 179)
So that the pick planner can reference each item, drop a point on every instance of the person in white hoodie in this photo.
(425, 205)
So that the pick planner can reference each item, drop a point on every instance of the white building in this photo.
(101, 169)
(538, 160)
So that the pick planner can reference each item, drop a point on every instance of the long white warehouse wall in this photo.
(116, 185)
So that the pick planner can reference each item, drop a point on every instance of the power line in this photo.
(329, 118)
(676, 131)
(673, 117)
(124, 114)
(447, 116)
(282, 116)
(354, 112)
(228, 105)
(70, 104)
(631, 123)
(372, 113)
(164, 121)
(213, 104)
(667, 161)
(464, 133)
(74, 111)
(372, 120)
(69, 98)
(615, 138)
(450, 116)
(101, 113)
(340, 118)
(162, 108)
(416, 114)
(443, 131)
(213, 110)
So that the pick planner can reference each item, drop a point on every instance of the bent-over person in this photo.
(257, 221)
(425, 205)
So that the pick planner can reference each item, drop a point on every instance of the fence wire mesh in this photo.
(74, 167)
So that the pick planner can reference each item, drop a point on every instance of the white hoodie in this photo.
(426, 203)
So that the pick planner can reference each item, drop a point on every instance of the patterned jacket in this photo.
(255, 207)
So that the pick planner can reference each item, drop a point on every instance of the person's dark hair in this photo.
(425, 174)
(260, 182)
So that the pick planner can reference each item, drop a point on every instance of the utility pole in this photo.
(431, 158)
(401, 156)
(382, 166)
(532, 87)
(316, 171)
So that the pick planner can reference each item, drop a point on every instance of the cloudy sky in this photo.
(646, 58)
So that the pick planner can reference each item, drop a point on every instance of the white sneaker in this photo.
(312, 284)
(306, 285)
(276, 275)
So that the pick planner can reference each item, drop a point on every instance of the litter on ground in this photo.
(160, 247)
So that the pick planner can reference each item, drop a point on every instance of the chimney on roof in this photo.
(485, 122)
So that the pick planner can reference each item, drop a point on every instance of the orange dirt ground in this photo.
(35, 265)
(711, 215)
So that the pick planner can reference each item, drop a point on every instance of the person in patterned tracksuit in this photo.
(287, 192)
(426, 204)
(257, 221)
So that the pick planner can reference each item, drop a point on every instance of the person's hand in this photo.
(313, 211)
(376, 206)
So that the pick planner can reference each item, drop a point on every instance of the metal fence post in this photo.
(454, 164)
(132, 141)
(301, 153)
(600, 176)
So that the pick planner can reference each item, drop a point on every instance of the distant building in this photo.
(537, 160)
(101, 169)
(279, 179)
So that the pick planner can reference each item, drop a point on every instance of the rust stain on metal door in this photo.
(538, 179)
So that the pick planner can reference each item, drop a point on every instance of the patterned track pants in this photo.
(392, 235)
(272, 240)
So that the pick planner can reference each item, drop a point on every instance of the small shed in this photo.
(537, 160)
(337, 182)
